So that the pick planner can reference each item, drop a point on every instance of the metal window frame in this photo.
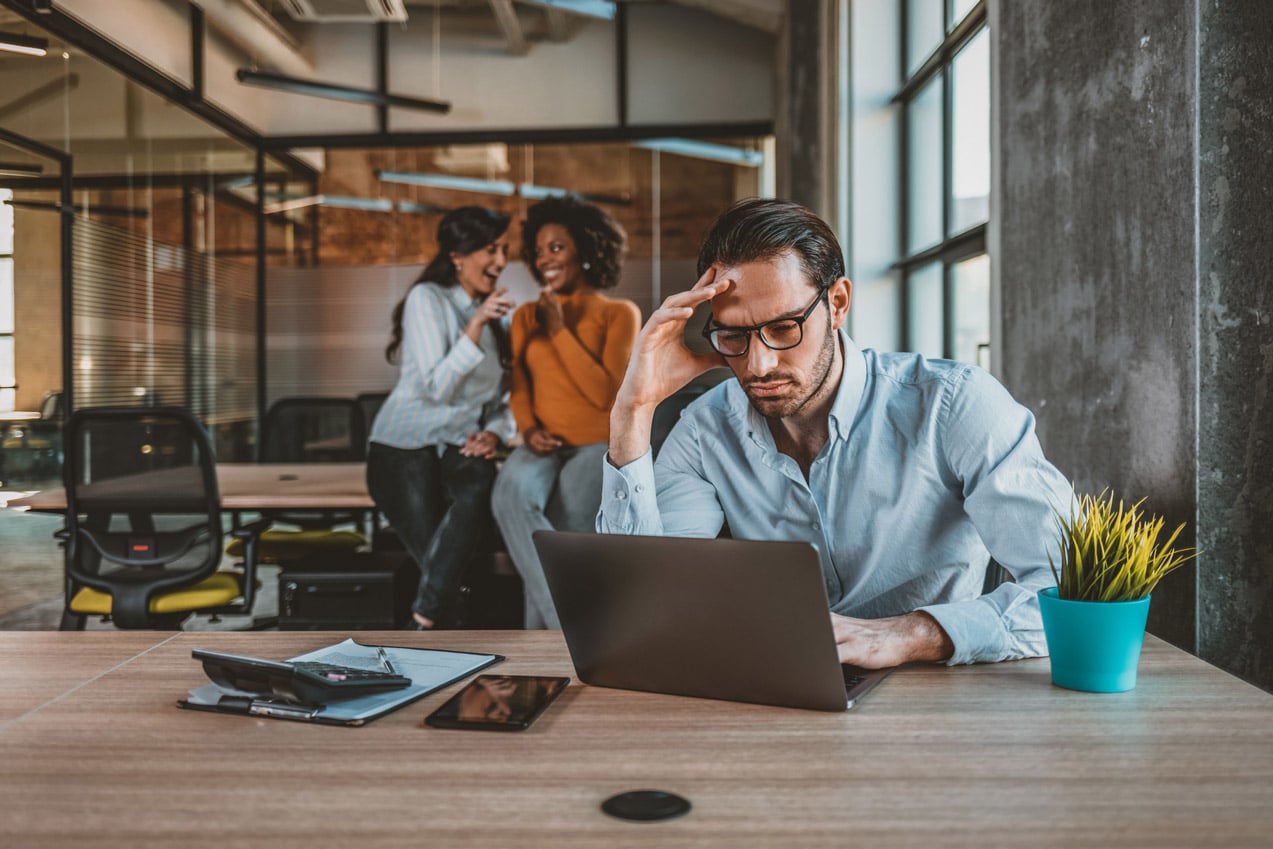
(952, 248)
(7, 334)
(66, 215)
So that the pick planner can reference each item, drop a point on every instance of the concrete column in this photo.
(1235, 336)
(1133, 190)
(805, 116)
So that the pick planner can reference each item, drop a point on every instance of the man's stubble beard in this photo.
(782, 408)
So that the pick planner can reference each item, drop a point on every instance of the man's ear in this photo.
(839, 294)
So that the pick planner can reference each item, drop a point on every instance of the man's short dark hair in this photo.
(759, 229)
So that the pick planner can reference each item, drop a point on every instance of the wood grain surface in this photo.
(976, 756)
(245, 486)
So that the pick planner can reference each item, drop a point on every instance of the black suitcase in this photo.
(338, 592)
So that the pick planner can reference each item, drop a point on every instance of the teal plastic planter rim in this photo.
(1052, 593)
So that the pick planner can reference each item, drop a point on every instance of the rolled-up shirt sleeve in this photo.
(672, 497)
(629, 502)
(1013, 496)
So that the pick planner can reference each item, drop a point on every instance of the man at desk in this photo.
(907, 474)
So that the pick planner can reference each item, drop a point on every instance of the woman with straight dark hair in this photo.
(570, 352)
(431, 461)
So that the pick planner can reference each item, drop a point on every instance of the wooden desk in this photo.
(973, 756)
(251, 486)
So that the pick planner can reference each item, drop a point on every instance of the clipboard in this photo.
(428, 669)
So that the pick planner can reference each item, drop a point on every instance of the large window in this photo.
(920, 72)
(944, 177)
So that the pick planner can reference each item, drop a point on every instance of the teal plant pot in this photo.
(1095, 645)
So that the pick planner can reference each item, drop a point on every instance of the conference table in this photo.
(244, 486)
(96, 753)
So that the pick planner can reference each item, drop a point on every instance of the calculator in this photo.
(305, 682)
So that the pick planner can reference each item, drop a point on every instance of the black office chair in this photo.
(143, 521)
(668, 412)
(310, 430)
(314, 430)
(370, 403)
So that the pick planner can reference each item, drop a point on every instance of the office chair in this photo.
(143, 521)
(314, 430)
(310, 430)
(669, 410)
(370, 404)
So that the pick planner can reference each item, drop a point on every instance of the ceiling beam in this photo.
(53, 88)
(506, 17)
(558, 24)
(764, 15)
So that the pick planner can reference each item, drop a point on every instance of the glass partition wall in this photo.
(184, 240)
(162, 247)
(377, 214)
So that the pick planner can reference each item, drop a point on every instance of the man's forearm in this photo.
(926, 637)
(630, 428)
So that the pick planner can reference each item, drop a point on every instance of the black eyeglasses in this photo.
(778, 334)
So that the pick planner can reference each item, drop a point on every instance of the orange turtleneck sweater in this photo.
(566, 383)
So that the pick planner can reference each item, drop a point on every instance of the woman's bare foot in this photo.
(423, 621)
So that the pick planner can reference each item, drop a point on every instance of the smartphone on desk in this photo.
(498, 702)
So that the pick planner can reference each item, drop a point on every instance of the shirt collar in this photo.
(852, 384)
(461, 298)
(848, 398)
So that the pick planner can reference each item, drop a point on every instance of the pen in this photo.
(384, 658)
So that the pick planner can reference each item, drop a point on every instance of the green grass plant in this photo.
(1113, 553)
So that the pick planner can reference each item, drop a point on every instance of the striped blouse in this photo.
(448, 388)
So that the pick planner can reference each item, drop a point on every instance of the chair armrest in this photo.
(250, 534)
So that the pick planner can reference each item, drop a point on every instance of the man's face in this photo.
(778, 383)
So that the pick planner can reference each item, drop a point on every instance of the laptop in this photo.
(741, 620)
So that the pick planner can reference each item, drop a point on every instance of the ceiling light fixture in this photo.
(422, 208)
(705, 150)
(334, 91)
(503, 188)
(27, 44)
(337, 201)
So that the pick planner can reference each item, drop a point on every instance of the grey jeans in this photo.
(564, 485)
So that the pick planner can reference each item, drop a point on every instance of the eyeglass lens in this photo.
(777, 335)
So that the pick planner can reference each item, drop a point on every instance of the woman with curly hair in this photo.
(570, 350)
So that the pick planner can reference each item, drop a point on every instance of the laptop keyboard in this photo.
(852, 677)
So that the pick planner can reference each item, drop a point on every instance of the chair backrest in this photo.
(668, 412)
(371, 402)
(143, 511)
(314, 430)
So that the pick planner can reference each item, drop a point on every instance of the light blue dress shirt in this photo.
(448, 388)
(930, 469)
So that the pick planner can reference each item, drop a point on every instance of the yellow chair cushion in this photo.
(276, 546)
(216, 590)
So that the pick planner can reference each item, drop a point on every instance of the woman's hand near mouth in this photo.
(548, 311)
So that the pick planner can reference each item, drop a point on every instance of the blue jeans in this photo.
(440, 509)
(520, 501)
